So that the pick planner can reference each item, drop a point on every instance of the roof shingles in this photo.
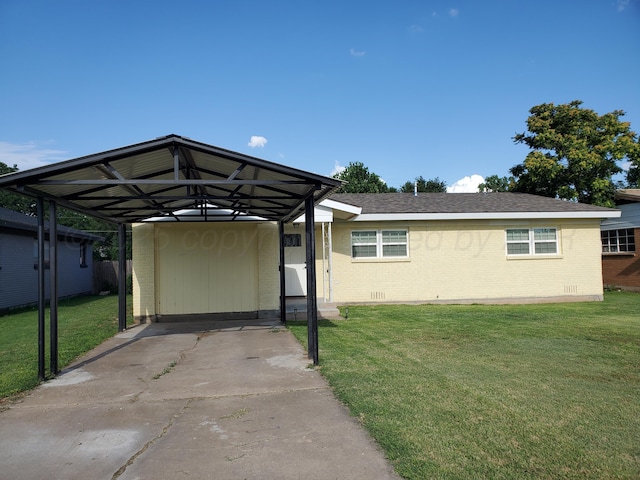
(495, 202)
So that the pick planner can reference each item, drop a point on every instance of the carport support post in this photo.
(41, 286)
(283, 293)
(312, 301)
(122, 277)
(53, 288)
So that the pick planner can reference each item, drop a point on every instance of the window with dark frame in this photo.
(292, 240)
(83, 256)
(618, 241)
(35, 255)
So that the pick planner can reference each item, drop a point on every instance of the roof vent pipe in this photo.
(415, 189)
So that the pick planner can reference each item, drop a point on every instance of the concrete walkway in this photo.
(223, 400)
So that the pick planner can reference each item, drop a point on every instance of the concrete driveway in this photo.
(205, 400)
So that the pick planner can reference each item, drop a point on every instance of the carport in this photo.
(161, 180)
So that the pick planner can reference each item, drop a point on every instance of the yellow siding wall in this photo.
(461, 261)
(268, 267)
(142, 247)
(206, 268)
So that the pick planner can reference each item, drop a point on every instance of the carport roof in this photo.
(170, 174)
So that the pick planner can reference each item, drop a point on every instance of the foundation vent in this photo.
(377, 295)
(570, 289)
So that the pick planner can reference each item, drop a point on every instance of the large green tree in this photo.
(360, 180)
(574, 153)
(15, 201)
(633, 175)
(494, 183)
(433, 185)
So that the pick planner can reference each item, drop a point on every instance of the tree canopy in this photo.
(15, 201)
(494, 183)
(360, 180)
(434, 185)
(575, 153)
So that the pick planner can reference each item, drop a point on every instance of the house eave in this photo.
(383, 217)
(340, 206)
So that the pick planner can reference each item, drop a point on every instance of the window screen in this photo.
(364, 244)
(379, 243)
(534, 241)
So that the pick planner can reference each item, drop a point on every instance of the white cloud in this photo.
(466, 185)
(28, 155)
(356, 53)
(415, 29)
(257, 141)
(454, 12)
(622, 5)
(337, 168)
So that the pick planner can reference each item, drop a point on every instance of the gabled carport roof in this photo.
(161, 179)
(172, 173)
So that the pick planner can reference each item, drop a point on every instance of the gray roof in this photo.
(630, 218)
(20, 221)
(169, 174)
(627, 195)
(495, 202)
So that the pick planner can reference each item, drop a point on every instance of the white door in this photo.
(295, 255)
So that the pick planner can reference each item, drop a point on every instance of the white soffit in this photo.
(343, 207)
(327, 209)
(382, 217)
(321, 214)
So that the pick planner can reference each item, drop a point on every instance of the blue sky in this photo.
(409, 88)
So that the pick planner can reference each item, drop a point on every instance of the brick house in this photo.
(620, 262)
(378, 248)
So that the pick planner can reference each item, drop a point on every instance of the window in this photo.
(83, 256)
(618, 241)
(532, 241)
(35, 255)
(292, 240)
(379, 244)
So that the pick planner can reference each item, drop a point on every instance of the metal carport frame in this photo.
(156, 179)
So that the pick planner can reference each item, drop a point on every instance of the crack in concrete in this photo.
(174, 363)
(164, 431)
(192, 347)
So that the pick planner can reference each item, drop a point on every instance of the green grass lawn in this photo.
(83, 323)
(479, 391)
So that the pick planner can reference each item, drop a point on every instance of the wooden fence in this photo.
(105, 275)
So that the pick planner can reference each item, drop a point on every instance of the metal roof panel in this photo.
(133, 183)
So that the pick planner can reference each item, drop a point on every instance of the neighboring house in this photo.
(620, 263)
(377, 248)
(19, 260)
